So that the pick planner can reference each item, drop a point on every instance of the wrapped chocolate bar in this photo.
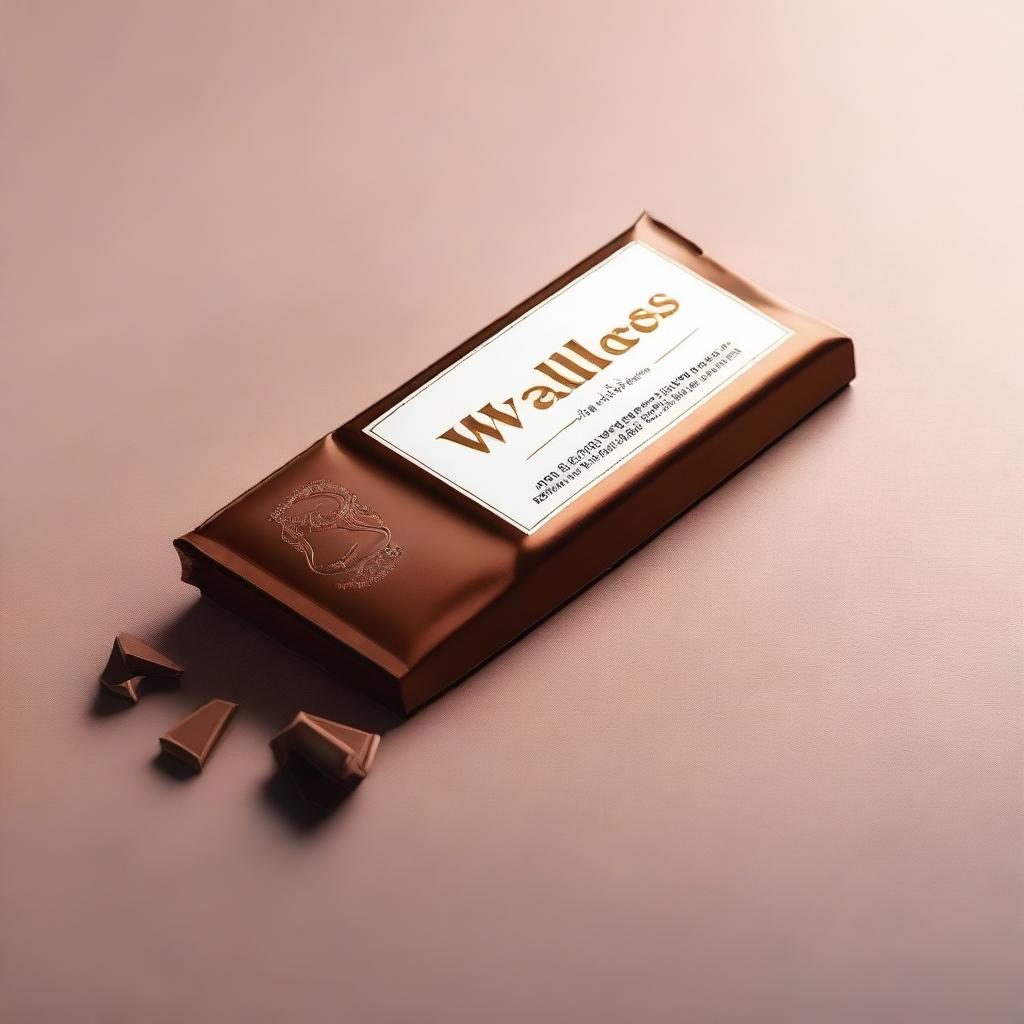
(424, 535)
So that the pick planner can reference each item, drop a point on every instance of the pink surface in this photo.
(770, 769)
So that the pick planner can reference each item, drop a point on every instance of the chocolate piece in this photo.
(325, 760)
(423, 536)
(128, 689)
(192, 740)
(132, 660)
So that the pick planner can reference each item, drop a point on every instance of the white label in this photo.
(539, 413)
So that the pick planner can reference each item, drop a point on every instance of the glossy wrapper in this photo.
(401, 583)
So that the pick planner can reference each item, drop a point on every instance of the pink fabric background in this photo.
(770, 769)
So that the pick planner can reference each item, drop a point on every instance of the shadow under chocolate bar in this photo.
(420, 538)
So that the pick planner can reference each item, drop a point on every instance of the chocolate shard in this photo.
(192, 740)
(325, 760)
(130, 661)
(128, 689)
(144, 660)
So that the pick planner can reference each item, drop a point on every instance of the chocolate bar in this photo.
(424, 535)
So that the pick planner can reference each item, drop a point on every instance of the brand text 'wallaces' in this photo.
(565, 370)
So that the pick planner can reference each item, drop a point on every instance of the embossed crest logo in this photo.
(337, 534)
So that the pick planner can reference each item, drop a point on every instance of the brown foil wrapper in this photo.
(424, 584)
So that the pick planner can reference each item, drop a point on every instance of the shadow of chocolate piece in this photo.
(192, 740)
(230, 658)
(107, 703)
(324, 760)
(279, 792)
(173, 768)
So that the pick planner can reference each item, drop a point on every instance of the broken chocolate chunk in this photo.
(129, 688)
(130, 661)
(325, 760)
(192, 740)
